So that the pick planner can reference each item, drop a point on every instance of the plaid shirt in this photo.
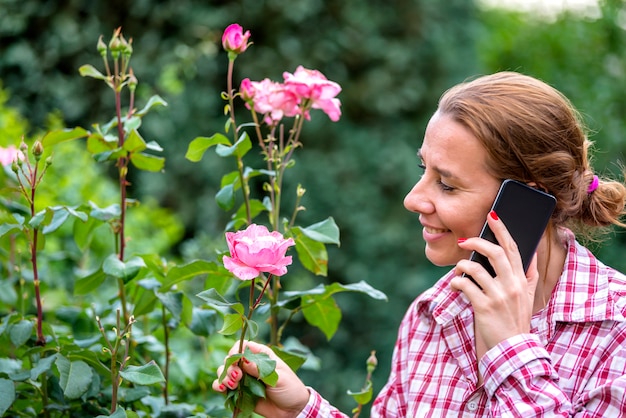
(573, 363)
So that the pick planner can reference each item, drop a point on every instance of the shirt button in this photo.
(472, 406)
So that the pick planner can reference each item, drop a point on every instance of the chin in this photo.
(444, 258)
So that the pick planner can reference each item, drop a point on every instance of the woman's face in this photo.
(455, 193)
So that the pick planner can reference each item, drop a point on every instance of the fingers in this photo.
(504, 257)
(231, 378)
(234, 373)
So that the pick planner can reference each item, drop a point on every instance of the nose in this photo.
(417, 199)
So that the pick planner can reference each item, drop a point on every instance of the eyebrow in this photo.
(441, 171)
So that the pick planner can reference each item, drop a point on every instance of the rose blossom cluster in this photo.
(255, 250)
(301, 91)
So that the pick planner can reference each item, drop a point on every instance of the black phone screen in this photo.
(525, 212)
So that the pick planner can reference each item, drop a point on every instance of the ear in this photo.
(537, 186)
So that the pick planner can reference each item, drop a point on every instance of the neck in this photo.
(551, 255)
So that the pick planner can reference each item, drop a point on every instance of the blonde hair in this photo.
(533, 134)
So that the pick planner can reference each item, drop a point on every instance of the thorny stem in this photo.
(122, 337)
(231, 107)
(253, 304)
(166, 334)
(33, 181)
(122, 164)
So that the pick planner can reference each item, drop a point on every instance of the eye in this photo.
(444, 186)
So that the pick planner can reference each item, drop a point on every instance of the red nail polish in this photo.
(221, 387)
(494, 215)
(461, 240)
(245, 360)
(234, 374)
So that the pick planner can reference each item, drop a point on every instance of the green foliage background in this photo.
(393, 60)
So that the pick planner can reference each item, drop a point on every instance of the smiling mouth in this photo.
(435, 230)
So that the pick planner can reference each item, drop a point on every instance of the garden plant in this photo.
(116, 343)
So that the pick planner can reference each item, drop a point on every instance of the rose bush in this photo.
(272, 105)
(131, 316)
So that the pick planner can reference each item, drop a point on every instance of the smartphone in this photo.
(525, 211)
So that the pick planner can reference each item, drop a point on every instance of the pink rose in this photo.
(256, 250)
(313, 87)
(271, 99)
(234, 39)
(247, 91)
(10, 154)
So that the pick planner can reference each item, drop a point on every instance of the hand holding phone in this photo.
(525, 212)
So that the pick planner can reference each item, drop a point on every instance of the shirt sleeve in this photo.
(520, 380)
(318, 407)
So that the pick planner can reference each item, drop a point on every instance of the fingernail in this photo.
(234, 374)
(245, 360)
(461, 240)
(230, 383)
(494, 215)
(221, 387)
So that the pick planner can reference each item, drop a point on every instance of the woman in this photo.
(548, 342)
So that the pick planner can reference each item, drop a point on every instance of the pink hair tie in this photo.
(593, 185)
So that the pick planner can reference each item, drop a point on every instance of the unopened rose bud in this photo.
(372, 362)
(102, 47)
(126, 47)
(132, 80)
(49, 161)
(234, 40)
(23, 147)
(115, 45)
(15, 166)
(37, 150)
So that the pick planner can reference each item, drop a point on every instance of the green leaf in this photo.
(217, 301)
(105, 214)
(266, 366)
(322, 312)
(225, 197)
(56, 137)
(134, 142)
(148, 374)
(86, 284)
(145, 301)
(199, 145)
(9, 228)
(125, 271)
(147, 162)
(326, 232)
(239, 148)
(88, 70)
(154, 100)
(312, 254)
(232, 324)
(292, 358)
(57, 215)
(7, 395)
(96, 143)
(187, 271)
(21, 332)
(360, 287)
(42, 366)
(364, 396)
(75, 377)
(173, 302)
